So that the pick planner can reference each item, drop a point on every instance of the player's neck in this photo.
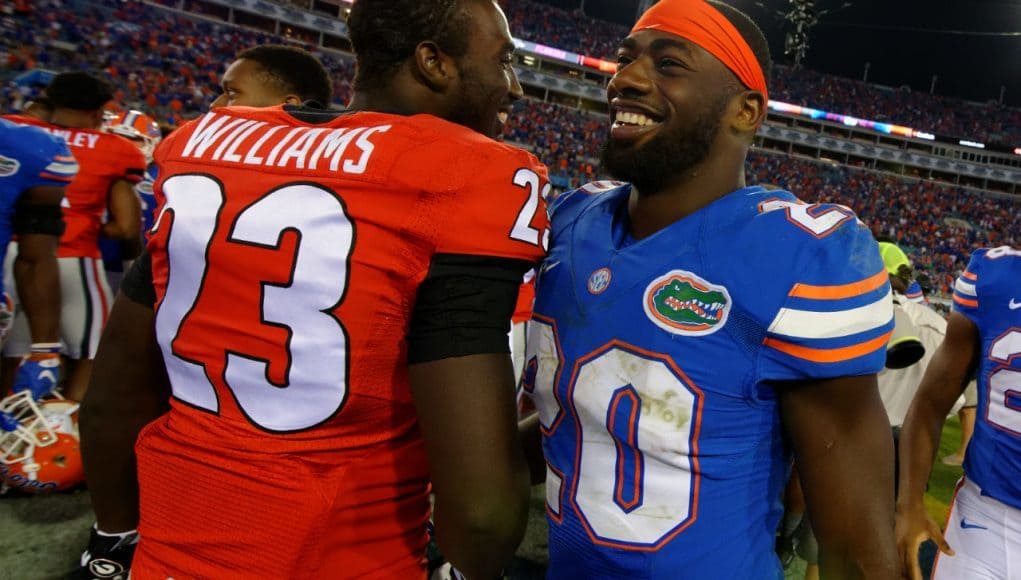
(387, 100)
(650, 212)
(73, 119)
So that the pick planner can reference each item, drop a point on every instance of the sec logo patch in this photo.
(599, 281)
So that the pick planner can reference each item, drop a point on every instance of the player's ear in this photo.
(433, 67)
(751, 111)
(292, 100)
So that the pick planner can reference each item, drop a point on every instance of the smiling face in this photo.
(488, 85)
(667, 101)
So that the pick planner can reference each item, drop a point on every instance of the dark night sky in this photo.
(899, 37)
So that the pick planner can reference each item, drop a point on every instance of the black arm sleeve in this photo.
(464, 307)
(137, 283)
(30, 218)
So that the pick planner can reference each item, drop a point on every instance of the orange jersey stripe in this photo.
(969, 275)
(56, 177)
(829, 355)
(841, 291)
(965, 301)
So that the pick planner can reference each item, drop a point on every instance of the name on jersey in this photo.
(74, 138)
(249, 142)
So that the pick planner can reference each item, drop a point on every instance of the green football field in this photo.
(41, 537)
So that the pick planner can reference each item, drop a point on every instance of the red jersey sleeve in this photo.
(499, 206)
(129, 163)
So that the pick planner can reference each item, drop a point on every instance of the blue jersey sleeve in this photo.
(837, 316)
(566, 205)
(41, 159)
(58, 165)
(966, 288)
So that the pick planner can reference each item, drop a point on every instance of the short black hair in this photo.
(39, 101)
(79, 91)
(293, 70)
(384, 34)
(751, 33)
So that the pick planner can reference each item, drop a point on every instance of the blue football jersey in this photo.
(989, 294)
(651, 364)
(29, 157)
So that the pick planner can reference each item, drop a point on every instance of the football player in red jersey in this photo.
(326, 309)
(109, 168)
(271, 75)
(274, 74)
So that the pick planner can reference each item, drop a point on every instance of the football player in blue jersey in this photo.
(690, 332)
(983, 533)
(34, 169)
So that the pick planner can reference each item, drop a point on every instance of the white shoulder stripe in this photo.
(62, 168)
(808, 324)
(966, 288)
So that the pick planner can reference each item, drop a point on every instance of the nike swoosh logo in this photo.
(965, 525)
(547, 266)
(1014, 305)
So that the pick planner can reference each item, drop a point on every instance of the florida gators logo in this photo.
(8, 166)
(683, 303)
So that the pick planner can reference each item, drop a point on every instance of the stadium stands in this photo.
(160, 62)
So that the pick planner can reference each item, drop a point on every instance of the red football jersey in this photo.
(286, 259)
(103, 159)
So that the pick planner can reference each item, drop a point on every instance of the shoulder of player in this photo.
(791, 224)
(34, 146)
(993, 268)
(568, 205)
(458, 140)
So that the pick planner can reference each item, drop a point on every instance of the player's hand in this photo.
(108, 556)
(914, 526)
(39, 371)
(6, 314)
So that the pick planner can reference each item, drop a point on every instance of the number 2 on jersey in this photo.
(316, 377)
(1003, 409)
(523, 230)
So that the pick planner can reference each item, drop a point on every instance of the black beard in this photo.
(470, 109)
(667, 157)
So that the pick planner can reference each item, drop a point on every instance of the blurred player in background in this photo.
(35, 167)
(144, 132)
(109, 166)
(983, 529)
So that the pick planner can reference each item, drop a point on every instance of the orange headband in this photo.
(699, 22)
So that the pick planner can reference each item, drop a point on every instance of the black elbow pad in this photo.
(30, 218)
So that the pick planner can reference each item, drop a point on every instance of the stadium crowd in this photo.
(165, 64)
(169, 65)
